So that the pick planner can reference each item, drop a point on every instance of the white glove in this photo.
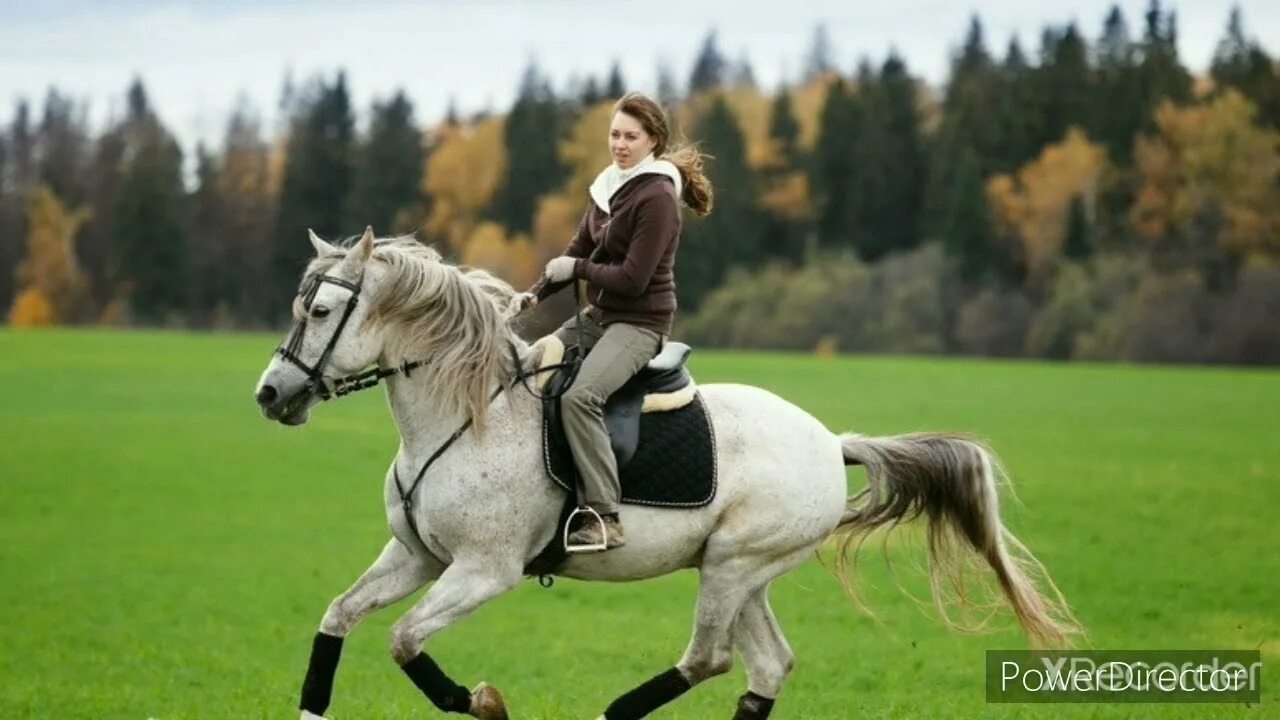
(560, 269)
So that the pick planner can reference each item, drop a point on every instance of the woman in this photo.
(625, 249)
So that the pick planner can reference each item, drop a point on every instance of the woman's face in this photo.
(628, 142)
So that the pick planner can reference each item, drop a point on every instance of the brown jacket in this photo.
(628, 256)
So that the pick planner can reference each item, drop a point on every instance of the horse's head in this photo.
(330, 336)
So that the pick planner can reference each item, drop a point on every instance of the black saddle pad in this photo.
(674, 464)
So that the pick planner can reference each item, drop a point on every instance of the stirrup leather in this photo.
(587, 547)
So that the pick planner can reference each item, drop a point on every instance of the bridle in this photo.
(317, 383)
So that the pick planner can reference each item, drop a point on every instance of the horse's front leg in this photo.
(465, 585)
(393, 576)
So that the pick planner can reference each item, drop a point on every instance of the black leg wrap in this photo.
(317, 688)
(653, 694)
(444, 693)
(753, 707)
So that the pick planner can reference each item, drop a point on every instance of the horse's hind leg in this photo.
(766, 654)
(725, 588)
(393, 576)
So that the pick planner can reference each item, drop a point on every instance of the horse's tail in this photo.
(951, 480)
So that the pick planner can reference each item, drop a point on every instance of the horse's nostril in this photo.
(267, 395)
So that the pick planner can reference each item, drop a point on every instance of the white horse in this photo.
(486, 506)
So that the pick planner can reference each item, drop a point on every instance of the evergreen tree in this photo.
(968, 125)
(894, 159)
(1065, 77)
(709, 67)
(966, 236)
(317, 181)
(615, 88)
(742, 75)
(784, 129)
(832, 169)
(1120, 111)
(819, 60)
(1241, 63)
(1077, 245)
(16, 179)
(731, 234)
(590, 93)
(1161, 73)
(98, 245)
(532, 135)
(1018, 113)
(62, 144)
(149, 224)
(388, 169)
(213, 262)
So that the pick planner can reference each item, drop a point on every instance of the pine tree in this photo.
(1161, 74)
(388, 169)
(709, 67)
(1077, 245)
(615, 87)
(1120, 111)
(62, 143)
(15, 186)
(1241, 63)
(895, 159)
(532, 135)
(317, 181)
(966, 236)
(730, 235)
(832, 168)
(1018, 113)
(784, 129)
(968, 126)
(150, 225)
(819, 61)
(213, 262)
(1065, 77)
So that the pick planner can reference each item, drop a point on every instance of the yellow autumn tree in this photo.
(1033, 205)
(512, 259)
(1210, 161)
(51, 287)
(462, 174)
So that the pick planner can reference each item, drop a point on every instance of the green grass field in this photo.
(166, 553)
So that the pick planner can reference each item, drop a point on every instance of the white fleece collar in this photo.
(612, 178)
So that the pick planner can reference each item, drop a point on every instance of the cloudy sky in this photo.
(199, 58)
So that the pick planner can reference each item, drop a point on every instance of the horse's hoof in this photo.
(487, 704)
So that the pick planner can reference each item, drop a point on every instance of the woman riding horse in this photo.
(625, 248)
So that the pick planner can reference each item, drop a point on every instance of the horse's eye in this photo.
(319, 312)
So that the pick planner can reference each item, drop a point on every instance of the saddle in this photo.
(659, 430)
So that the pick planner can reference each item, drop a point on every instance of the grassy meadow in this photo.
(166, 553)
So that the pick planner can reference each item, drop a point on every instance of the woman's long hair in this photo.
(698, 193)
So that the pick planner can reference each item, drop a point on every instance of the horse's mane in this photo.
(454, 317)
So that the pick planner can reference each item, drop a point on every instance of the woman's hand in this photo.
(560, 269)
(520, 303)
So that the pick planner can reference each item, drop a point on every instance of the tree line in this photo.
(1088, 198)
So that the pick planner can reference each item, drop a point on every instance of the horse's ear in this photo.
(322, 248)
(360, 252)
(364, 248)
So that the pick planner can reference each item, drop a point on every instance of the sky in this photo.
(199, 59)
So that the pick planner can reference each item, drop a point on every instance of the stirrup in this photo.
(590, 547)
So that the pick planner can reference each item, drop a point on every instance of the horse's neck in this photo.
(423, 425)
